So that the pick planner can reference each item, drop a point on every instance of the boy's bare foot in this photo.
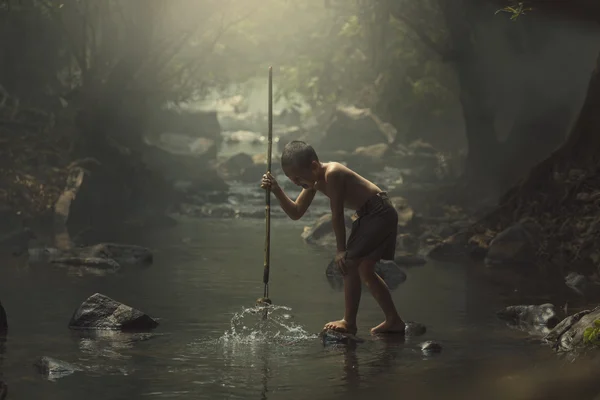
(341, 326)
(392, 326)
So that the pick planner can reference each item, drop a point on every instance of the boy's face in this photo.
(305, 177)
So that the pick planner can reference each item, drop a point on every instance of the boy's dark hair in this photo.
(298, 154)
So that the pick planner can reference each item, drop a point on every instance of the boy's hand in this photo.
(340, 261)
(269, 182)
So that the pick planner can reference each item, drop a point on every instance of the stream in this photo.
(205, 276)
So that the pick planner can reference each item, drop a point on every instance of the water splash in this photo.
(259, 324)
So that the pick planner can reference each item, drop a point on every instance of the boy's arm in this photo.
(295, 209)
(336, 184)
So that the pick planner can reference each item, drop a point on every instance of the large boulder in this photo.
(3, 320)
(102, 312)
(577, 333)
(517, 244)
(233, 167)
(462, 245)
(321, 232)
(351, 127)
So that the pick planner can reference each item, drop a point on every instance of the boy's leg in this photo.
(352, 293)
(393, 323)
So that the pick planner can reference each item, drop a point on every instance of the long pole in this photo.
(268, 191)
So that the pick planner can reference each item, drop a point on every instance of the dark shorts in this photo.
(373, 234)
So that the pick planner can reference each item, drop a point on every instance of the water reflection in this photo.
(113, 345)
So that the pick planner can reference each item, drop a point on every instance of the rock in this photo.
(3, 320)
(515, 245)
(234, 166)
(409, 260)
(55, 369)
(421, 147)
(321, 232)
(94, 262)
(430, 346)
(577, 332)
(406, 243)
(581, 284)
(532, 318)
(369, 158)
(329, 336)
(243, 137)
(121, 253)
(3, 390)
(389, 271)
(405, 212)
(554, 335)
(102, 312)
(414, 328)
(461, 245)
(253, 173)
(102, 255)
(246, 121)
(350, 128)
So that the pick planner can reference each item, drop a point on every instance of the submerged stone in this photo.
(430, 346)
(53, 368)
(414, 328)
(530, 315)
(102, 312)
(329, 336)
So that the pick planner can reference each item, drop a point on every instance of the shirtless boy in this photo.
(373, 235)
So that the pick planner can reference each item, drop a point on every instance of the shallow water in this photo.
(205, 274)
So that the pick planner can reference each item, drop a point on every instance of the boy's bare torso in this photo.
(357, 190)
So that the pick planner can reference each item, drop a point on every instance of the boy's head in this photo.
(300, 163)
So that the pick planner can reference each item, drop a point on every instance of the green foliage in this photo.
(515, 10)
(591, 335)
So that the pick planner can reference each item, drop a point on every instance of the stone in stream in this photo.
(102, 312)
(414, 328)
(531, 318)
(430, 346)
(329, 336)
(53, 368)
(102, 255)
(3, 320)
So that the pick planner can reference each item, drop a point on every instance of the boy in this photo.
(373, 235)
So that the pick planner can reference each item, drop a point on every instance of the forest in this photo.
(479, 117)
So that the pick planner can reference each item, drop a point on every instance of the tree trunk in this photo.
(546, 187)
(482, 160)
